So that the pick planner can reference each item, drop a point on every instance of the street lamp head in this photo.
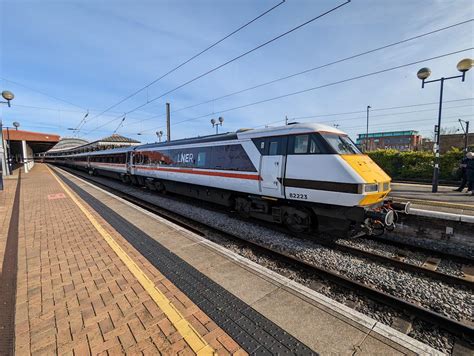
(221, 119)
(213, 121)
(423, 73)
(465, 64)
(8, 95)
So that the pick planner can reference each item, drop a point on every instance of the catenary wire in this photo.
(189, 60)
(231, 60)
(43, 93)
(318, 87)
(308, 70)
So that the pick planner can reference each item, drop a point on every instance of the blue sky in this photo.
(90, 54)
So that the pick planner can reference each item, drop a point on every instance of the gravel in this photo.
(413, 257)
(452, 302)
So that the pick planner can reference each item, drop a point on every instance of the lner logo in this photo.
(185, 158)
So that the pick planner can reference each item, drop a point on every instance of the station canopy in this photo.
(38, 141)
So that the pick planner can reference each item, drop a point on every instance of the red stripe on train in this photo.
(205, 173)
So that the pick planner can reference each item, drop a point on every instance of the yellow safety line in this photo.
(190, 335)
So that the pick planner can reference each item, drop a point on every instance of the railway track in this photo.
(428, 269)
(413, 310)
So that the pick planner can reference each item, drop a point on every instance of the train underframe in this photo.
(298, 217)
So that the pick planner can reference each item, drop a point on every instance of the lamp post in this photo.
(466, 133)
(463, 66)
(8, 96)
(367, 130)
(160, 135)
(216, 124)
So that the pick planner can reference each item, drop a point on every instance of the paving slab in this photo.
(77, 294)
(282, 306)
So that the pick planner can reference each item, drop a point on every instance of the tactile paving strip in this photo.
(252, 331)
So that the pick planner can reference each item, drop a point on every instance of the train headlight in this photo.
(371, 188)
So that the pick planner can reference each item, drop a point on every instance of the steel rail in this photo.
(453, 326)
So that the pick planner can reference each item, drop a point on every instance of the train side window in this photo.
(201, 159)
(277, 145)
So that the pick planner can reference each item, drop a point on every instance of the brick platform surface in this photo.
(76, 296)
(7, 196)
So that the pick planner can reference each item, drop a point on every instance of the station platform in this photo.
(445, 200)
(84, 272)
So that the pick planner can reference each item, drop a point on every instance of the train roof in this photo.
(103, 152)
(187, 141)
(290, 129)
(293, 128)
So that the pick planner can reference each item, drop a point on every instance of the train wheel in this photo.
(297, 220)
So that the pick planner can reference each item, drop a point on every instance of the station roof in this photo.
(21, 135)
(75, 145)
(38, 141)
(67, 143)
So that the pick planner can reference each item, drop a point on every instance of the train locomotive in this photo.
(308, 177)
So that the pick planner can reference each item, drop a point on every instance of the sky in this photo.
(65, 58)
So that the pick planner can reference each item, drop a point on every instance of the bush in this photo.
(417, 164)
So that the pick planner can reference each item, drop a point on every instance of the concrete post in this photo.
(25, 156)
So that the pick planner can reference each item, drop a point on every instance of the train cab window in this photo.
(300, 144)
(340, 143)
(316, 145)
(306, 144)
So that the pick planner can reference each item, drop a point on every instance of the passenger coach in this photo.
(305, 176)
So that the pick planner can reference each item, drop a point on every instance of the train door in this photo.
(272, 167)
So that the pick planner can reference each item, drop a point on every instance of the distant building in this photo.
(74, 145)
(397, 140)
(67, 143)
(427, 144)
(447, 142)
